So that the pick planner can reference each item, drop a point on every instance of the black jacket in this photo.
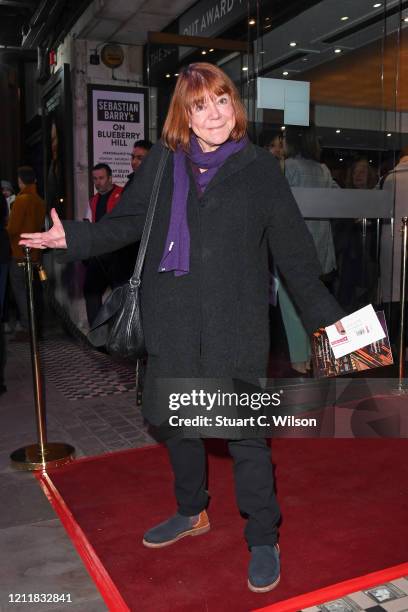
(130, 178)
(213, 322)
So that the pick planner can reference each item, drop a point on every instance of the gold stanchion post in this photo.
(403, 294)
(44, 454)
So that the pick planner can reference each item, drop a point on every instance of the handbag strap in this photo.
(135, 280)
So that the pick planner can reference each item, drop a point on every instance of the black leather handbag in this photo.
(118, 324)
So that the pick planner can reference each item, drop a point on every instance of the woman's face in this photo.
(213, 121)
(360, 175)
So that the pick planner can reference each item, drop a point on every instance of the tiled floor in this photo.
(90, 404)
(387, 597)
(78, 371)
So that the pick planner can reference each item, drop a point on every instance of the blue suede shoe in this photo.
(264, 568)
(176, 527)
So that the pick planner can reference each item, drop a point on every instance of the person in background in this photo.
(140, 149)
(355, 242)
(27, 215)
(395, 183)
(101, 272)
(107, 193)
(361, 175)
(4, 263)
(273, 142)
(303, 169)
(8, 192)
(126, 257)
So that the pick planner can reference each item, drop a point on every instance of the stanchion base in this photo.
(32, 458)
(401, 388)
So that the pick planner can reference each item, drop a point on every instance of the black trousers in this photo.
(254, 485)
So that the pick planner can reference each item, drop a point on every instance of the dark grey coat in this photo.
(213, 322)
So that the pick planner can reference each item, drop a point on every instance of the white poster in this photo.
(117, 118)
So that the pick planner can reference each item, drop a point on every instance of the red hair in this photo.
(194, 84)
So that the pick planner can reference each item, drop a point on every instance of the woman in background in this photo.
(355, 241)
(303, 169)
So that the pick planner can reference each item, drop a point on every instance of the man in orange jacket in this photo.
(101, 272)
(27, 215)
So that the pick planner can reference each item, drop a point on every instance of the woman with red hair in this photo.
(222, 205)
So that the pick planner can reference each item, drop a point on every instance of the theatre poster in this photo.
(117, 117)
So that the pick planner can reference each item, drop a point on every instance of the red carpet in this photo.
(344, 506)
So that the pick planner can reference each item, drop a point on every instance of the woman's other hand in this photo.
(53, 239)
(339, 327)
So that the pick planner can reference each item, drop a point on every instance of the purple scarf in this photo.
(176, 255)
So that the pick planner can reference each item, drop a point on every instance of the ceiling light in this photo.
(176, 74)
(338, 131)
(262, 52)
(305, 59)
(338, 50)
(267, 18)
(389, 134)
(283, 127)
(293, 44)
(285, 73)
(211, 50)
(405, 19)
(371, 161)
(341, 159)
(377, 5)
(268, 26)
(252, 22)
(344, 18)
(168, 76)
(244, 68)
(203, 52)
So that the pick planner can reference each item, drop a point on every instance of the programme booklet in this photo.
(374, 355)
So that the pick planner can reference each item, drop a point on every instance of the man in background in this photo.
(27, 215)
(127, 255)
(140, 149)
(101, 272)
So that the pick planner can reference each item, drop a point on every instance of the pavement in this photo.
(91, 404)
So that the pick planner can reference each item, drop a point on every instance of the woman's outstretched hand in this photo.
(53, 239)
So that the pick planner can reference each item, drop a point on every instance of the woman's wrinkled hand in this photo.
(53, 239)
